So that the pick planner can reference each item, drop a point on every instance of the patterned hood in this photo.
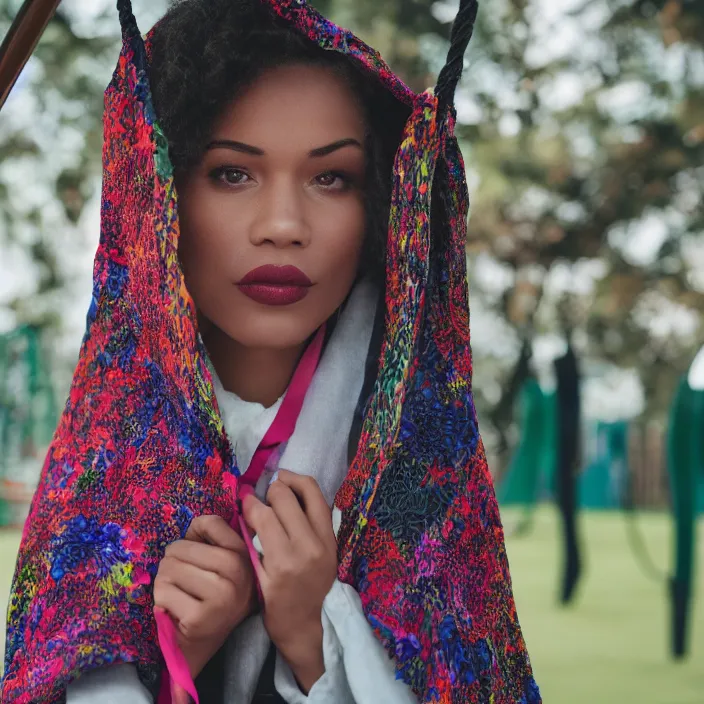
(140, 449)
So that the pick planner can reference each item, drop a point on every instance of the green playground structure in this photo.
(532, 470)
(604, 481)
(28, 418)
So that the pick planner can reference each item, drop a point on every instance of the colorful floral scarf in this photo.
(140, 449)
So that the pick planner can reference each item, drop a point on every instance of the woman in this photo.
(283, 330)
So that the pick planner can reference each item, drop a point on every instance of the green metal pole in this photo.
(683, 453)
(4, 427)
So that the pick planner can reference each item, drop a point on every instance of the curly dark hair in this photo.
(205, 52)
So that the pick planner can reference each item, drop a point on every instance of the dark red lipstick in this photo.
(275, 285)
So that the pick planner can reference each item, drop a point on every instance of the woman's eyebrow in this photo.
(256, 151)
(330, 148)
(235, 147)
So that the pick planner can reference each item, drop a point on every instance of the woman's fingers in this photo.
(313, 502)
(223, 562)
(213, 530)
(210, 565)
(264, 522)
(206, 585)
(289, 511)
(182, 607)
(201, 583)
(298, 571)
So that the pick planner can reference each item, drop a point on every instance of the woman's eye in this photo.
(231, 176)
(333, 181)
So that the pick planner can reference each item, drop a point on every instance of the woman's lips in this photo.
(275, 285)
(271, 295)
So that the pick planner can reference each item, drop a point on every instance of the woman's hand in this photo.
(206, 584)
(298, 569)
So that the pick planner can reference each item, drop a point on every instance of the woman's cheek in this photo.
(350, 235)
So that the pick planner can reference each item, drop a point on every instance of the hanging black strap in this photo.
(127, 20)
(462, 29)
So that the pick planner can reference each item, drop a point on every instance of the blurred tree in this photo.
(43, 184)
(592, 184)
(583, 126)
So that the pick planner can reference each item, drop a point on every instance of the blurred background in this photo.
(582, 126)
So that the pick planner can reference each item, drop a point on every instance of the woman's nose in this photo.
(281, 219)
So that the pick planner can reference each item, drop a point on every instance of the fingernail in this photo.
(274, 477)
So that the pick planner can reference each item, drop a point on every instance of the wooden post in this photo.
(23, 37)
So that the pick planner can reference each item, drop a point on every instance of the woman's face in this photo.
(272, 218)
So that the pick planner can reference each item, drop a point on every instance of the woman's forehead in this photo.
(308, 105)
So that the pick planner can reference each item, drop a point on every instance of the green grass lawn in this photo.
(611, 647)
(9, 542)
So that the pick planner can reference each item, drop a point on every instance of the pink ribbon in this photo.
(177, 686)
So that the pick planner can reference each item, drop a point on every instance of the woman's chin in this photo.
(277, 334)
